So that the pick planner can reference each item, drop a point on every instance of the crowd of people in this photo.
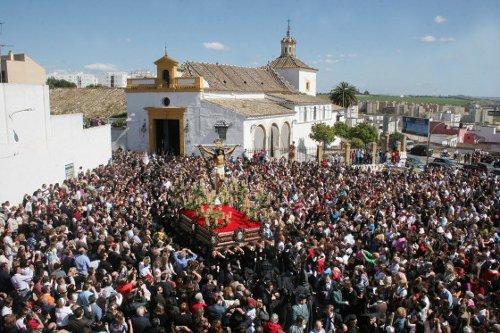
(342, 250)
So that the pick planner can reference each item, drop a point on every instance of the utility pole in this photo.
(2, 45)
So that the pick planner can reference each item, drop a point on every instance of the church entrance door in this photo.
(167, 136)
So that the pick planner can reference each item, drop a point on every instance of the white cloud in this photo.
(128, 40)
(348, 55)
(440, 19)
(446, 40)
(432, 39)
(428, 39)
(215, 46)
(330, 61)
(101, 67)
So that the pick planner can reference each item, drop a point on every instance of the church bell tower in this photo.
(288, 44)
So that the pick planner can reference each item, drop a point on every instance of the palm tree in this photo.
(344, 94)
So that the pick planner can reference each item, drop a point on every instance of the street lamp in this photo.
(221, 127)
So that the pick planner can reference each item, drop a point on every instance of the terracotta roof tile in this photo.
(287, 61)
(251, 107)
(300, 98)
(238, 79)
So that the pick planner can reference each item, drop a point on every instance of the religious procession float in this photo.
(221, 213)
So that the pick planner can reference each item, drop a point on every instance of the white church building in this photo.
(36, 147)
(258, 108)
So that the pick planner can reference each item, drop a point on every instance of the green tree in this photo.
(357, 143)
(366, 92)
(52, 82)
(344, 95)
(341, 130)
(322, 133)
(396, 136)
(365, 132)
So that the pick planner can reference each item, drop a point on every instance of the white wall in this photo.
(120, 79)
(298, 78)
(301, 129)
(305, 77)
(137, 126)
(203, 131)
(250, 125)
(199, 120)
(45, 143)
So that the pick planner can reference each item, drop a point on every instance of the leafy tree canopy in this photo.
(344, 94)
(341, 130)
(357, 143)
(396, 136)
(322, 133)
(365, 132)
(55, 83)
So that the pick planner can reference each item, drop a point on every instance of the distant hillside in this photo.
(92, 102)
(440, 100)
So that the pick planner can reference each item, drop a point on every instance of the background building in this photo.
(184, 105)
(19, 68)
(39, 148)
(81, 79)
(114, 79)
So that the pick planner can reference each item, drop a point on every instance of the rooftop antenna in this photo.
(165, 49)
(2, 45)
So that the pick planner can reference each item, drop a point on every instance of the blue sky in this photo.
(397, 47)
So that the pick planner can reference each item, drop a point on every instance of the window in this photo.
(308, 85)
(324, 112)
(166, 101)
(166, 76)
(305, 114)
(315, 114)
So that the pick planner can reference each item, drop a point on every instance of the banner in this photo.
(416, 126)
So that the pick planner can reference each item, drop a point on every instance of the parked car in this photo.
(443, 162)
(409, 145)
(414, 163)
(421, 150)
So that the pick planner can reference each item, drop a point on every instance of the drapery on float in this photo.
(219, 226)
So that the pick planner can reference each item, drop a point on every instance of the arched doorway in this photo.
(259, 138)
(274, 141)
(285, 136)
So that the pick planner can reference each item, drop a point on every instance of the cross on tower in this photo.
(288, 30)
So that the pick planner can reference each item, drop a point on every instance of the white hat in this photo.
(440, 230)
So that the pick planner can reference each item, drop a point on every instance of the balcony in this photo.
(176, 84)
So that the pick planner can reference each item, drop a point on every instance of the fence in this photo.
(301, 154)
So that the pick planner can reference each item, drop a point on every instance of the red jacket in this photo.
(270, 327)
